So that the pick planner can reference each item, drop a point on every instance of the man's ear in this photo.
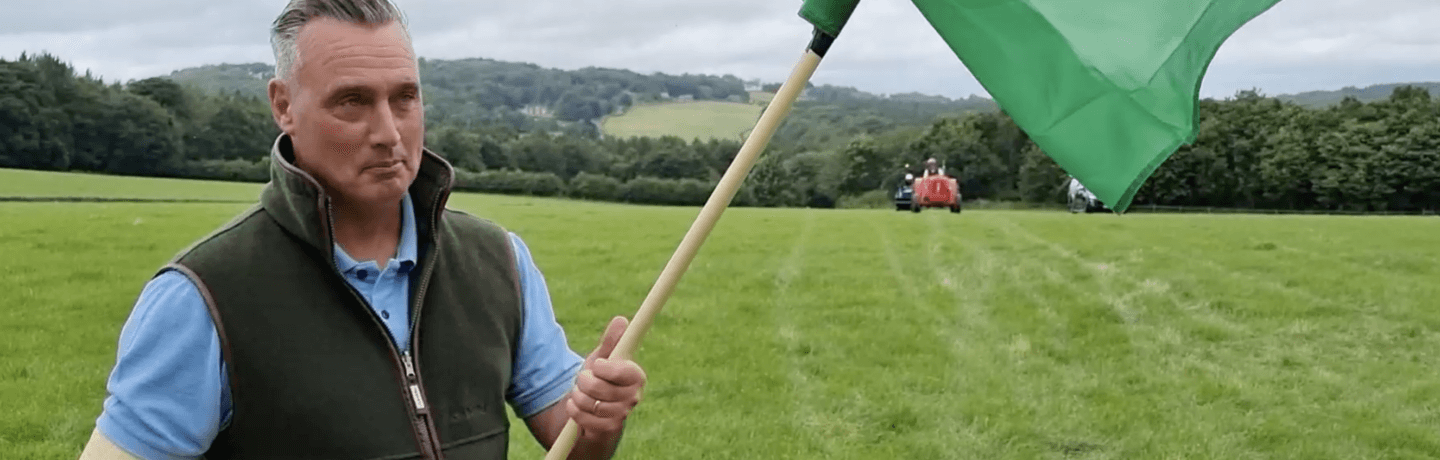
(280, 105)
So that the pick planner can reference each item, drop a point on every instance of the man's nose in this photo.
(385, 128)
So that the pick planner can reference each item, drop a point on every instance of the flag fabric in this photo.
(1107, 88)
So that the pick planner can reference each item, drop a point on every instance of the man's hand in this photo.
(605, 391)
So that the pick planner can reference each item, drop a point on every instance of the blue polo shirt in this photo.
(169, 395)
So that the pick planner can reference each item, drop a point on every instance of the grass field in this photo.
(687, 120)
(809, 334)
(23, 183)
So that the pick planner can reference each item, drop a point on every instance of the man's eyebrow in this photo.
(356, 88)
(408, 86)
(344, 89)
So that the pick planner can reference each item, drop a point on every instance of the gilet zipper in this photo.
(412, 367)
(413, 393)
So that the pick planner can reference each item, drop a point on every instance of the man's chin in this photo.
(380, 192)
(391, 190)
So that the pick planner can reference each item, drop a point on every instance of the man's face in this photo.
(353, 110)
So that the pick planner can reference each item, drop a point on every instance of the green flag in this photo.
(1108, 88)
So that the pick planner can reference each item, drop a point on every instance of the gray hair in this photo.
(299, 12)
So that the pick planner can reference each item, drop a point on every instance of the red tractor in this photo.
(936, 191)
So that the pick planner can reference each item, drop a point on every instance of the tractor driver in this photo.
(932, 167)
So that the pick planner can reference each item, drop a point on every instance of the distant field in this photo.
(868, 334)
(761, 97)
(688, 120)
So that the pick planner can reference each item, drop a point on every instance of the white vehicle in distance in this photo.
(1082, 199)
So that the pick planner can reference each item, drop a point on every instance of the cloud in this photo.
(123, 42)
(1327, 44)
(888, 47)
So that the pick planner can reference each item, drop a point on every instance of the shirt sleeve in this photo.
(545, 366)
(165, 392)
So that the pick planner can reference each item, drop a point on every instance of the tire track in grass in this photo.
(1123, 303)
(1337, 290)
(1210, 240)
(1330, 237)
(897, 268)
(1124, 294)
(820, 428)
(977, 348)
(1016, 270)
(1355, 269)
(1391, 303)
(1052, 372)
(1349, 324)
(1199, 309)
(1131, 299)
(1036, 351)
(1252, 279)
(1346, 259)
(1155, 339)
(1280, 359)
(1203, 306)
(910, 294)
(897, 406)
(1110, 293)
(1128, 298)
(1228, 366)
(953, 319)
(971, 286)
(1160, 351)
(1285, 295)
(1276, 278)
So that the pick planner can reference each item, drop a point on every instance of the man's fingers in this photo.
(618, 373)
(596, 388)
(613, 331)
(591, 425)
(603, 409)
(614, 384)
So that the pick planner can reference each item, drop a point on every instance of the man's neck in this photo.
(369, 231)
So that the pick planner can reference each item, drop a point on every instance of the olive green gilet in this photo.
(314, 373)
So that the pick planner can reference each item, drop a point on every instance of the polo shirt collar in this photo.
(406, 252)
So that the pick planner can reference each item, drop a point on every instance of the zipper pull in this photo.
(409, 366)
(415, 394)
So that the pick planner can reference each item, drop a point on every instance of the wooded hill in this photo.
(469, 92)
(1321, 99)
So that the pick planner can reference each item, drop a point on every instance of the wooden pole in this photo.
(709, 215)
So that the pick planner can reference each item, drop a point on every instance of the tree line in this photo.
(52, 119)
(1252, 151)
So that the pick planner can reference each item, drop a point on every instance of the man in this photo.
(932, 168)
(349, 314)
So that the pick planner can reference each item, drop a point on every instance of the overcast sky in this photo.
(888, 47)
